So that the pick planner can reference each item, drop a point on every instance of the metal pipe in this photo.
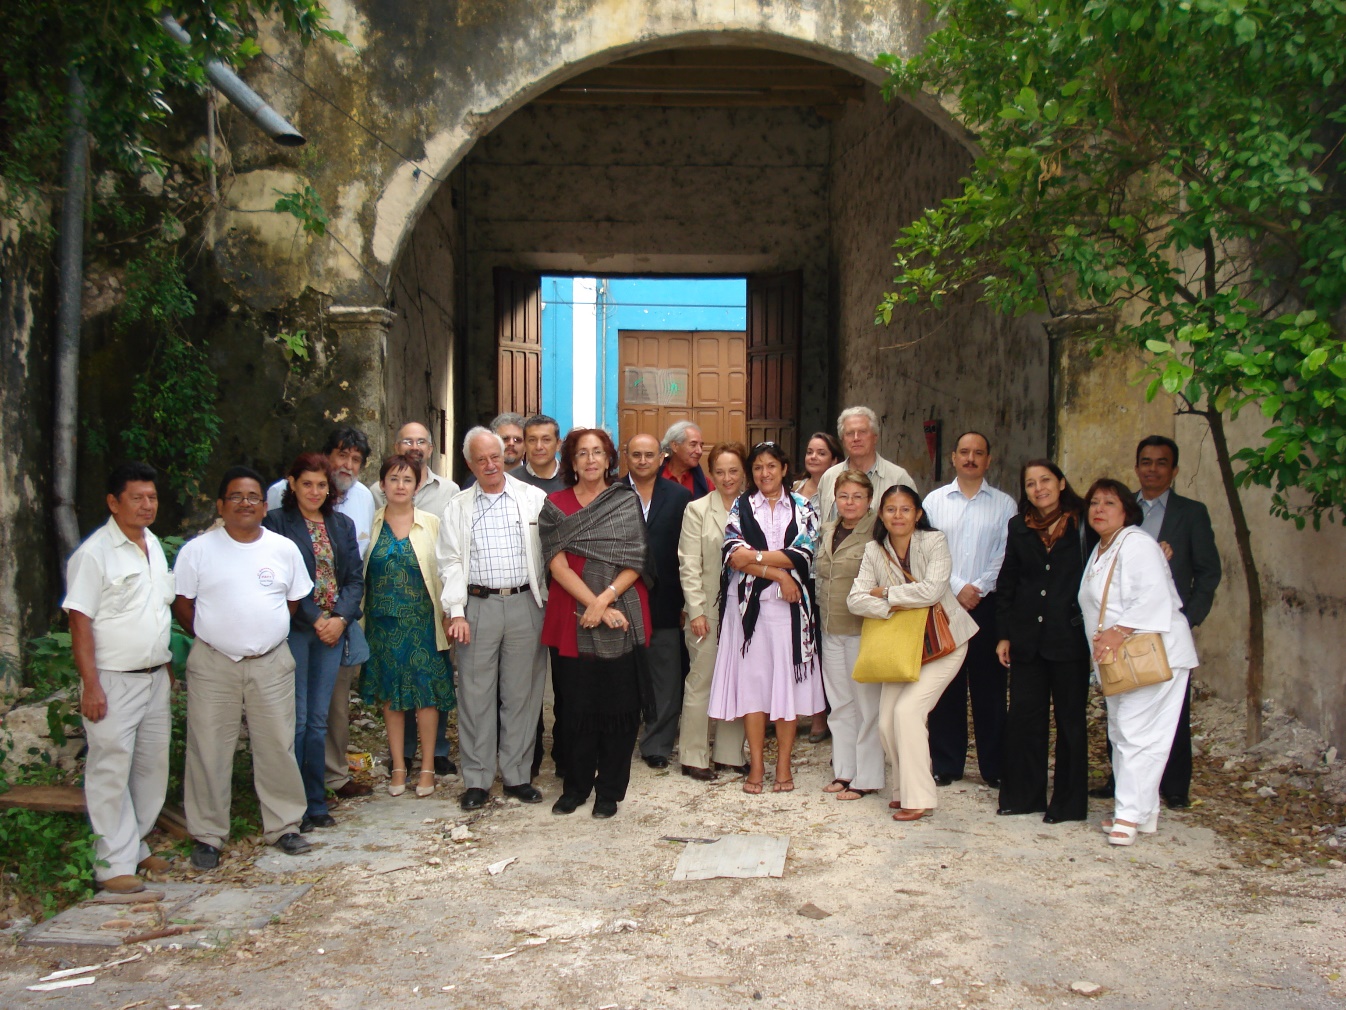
(267, 119)
(69, 302)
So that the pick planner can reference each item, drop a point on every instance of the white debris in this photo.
(495, 869)
(65, 983)
(1086, 988)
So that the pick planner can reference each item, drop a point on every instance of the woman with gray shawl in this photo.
(597, 620)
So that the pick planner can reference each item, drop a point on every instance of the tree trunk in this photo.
(1256, 628)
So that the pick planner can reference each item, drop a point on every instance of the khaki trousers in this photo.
(903, 711)
(219, 693)
(339, 729)
(126, 771)
(694, 738)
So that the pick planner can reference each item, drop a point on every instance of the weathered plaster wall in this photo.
(964, 365)
(648, 190)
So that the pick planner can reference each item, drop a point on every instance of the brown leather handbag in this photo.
(938, 636)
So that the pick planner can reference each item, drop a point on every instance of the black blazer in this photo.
(350, 574)
(1036, 594)
(668, 502)
(1196, 562)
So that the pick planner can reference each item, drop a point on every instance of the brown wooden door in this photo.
(775, 333)
(518, 332)
(667, 376)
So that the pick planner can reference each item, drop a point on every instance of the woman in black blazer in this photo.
(326, 539)
(1044, 645)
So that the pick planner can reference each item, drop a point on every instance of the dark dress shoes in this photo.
(205, 857)
(943, 780)
(607, 808)
(443, 766)
(736, 769)
(566, 804)
(316, 821)
(1177, 802)
(1054, 817)
(474, 799)
(293, 844)
(993, 783)
(1012, 812)
(527, 792)
(352, 789)
(700, 774)
(654, 761)
(1104, 792)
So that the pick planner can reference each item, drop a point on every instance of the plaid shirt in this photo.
(497, 559)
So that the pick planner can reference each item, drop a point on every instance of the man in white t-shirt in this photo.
(237, 587)
(118, 591)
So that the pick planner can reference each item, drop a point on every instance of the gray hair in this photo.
(507, 418)
(477, 432)
(677, 434)
(864, 412)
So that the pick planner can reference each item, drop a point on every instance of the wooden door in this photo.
(775, 333)
(674, 375)
(518, 333)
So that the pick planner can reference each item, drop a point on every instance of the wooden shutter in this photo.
(775, 333)
(518, 333)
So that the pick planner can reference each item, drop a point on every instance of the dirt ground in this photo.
(966, 909)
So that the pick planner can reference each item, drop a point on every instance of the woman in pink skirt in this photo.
(766, 666)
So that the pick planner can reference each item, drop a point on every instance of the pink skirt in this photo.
(764, 679)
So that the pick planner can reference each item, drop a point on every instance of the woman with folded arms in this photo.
(700, 564)
(1141, 597)
(904, 542)
(857, 751)
(1043, 644)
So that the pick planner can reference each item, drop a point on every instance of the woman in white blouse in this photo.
(1142, 597)
(904, 542)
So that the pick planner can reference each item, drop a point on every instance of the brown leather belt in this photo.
(482, 592)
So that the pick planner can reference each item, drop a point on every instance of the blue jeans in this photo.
(315, 674)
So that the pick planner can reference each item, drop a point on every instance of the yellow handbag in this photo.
(890, 651)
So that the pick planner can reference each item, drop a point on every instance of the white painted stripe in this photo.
(584, 352)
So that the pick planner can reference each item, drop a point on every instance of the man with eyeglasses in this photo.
(237, 587)
(858, 429)
(414, 442)
(509, 426)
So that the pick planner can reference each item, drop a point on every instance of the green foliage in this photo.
(1182, 156)
(156, 288)
(50, 667)
(294, 344)
(306, 207)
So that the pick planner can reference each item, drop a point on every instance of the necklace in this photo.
(1107, 542)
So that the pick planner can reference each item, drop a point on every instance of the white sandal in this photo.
(1148, 828)
(1122, 834)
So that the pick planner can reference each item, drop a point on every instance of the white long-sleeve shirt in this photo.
(977, 528)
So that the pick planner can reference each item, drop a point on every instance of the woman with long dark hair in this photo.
(766, 665)
(1043, 645)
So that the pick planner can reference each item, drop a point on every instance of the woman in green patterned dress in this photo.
(408, 665)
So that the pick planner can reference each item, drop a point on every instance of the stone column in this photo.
(361, 333)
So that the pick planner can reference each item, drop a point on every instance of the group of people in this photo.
(673, 607)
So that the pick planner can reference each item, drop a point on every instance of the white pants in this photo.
(903, 711)
(1141, 724)
(857, 750)
(126, 770)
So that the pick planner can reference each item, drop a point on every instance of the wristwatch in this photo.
(759, 557)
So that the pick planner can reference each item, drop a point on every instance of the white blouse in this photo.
(1143, 595)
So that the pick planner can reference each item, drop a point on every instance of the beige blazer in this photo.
(699, 556)
(834, 573)
(931, 565)
(424, 533)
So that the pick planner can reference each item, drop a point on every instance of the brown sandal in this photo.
(751, 787)
(837, 786)
(854, 794)
(784, 786)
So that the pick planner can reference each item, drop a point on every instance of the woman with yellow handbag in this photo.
(904, 576)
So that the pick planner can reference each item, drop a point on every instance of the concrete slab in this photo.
(734, 856)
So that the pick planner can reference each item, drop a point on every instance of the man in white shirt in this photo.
(858, 429)
(118, 593)
(975, 518)
(414, 442)
(490, 566)
(237, 587)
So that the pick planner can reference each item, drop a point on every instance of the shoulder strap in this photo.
(892, 556)
(1103, 603)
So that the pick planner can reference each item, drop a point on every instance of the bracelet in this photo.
(615, 594)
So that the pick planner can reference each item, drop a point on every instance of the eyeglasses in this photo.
(244, 499)
(419, 443)
(859, 496)
(511, 439)
(591, 454)
(763, 445)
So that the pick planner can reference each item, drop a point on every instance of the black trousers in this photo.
(594, 752)
(1035, 686)
(984, 679)
(557, 734)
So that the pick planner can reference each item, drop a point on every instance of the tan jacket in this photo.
(834, 573)
(931, 565)
(699, 556)
(424, 532)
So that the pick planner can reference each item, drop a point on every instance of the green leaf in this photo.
(1158, 346)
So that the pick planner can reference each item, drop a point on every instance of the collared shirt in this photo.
(687, 478)
(432, 496)
(357, 504)
(883, 475)
(126, 592)
(528, 475)
(644, 505)
(1154, 510)
(976, 528)
(497, 559)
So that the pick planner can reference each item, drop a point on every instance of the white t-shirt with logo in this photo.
(242, 591)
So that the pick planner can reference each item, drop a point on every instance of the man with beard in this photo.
(347, 449)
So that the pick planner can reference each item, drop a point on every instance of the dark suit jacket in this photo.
(1036, 595)
(345, 555)
(664, 526)
(1196, 562)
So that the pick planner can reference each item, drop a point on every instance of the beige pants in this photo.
(694, 731)
(339, 730)
(219, 693)
(903, 710)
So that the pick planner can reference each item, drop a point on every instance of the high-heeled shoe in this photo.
(396, 788)
(1149, 827)
(1122, 834)
(422, 791)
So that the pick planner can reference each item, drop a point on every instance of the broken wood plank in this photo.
(48, 799)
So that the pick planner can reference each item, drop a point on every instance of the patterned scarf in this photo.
(1051, 527)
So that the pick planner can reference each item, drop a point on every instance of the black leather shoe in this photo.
(474, 799)
(993, 783)
(1177, 802)
(1051, 817)
(700, 774)
(1103, 792)
(293, 844)
(306, 825)
(604, 808)
(527, 792)
(736, 769)
(1011, 812)
(654, 761)
(205, 857)
(443, 766)
(320, 821)
(943, 780)
(566, 805)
